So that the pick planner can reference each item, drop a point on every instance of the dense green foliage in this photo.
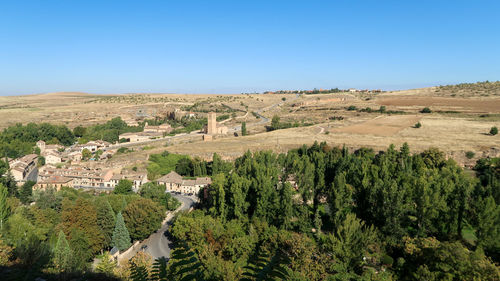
(18, 140)
(108, 131)
(124, 186)
(143, 217)
(164, 163)
(277, 124)
(351, 216)
(157, 193)
(58, 236)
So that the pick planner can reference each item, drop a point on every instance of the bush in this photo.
(426, 110)
(469, 154)
(351, 108)
(382, 109)
(493, 131)
(418, 125)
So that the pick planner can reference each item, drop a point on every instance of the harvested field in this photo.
(458, 104)
(381, 126)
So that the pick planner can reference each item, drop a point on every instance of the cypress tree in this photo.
(4, 208)
(26, 192)
(244, 128)
(105, 219)
(286, 206)
(121, 237)
(62, 253)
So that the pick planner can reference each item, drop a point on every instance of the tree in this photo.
(218, 195)
(275, 123)
(105, 219)
(470, 154)
(26, 192)
(157, 193)
(123, 187)
(106, 264)
(4, 207)
(488, 228)
(143, 217)
(6, 252)
(81, 247)
(82, 215)
(79, 131)
(244, 128)
(417, 125)
(9, 182)
(493, 131)
(62, 253)
(86, 154)
(426, 110)
(350, 242)
(286, 210)
(184, 167)
(121, 236)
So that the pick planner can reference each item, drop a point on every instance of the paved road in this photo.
(158, 244)
(33, 175)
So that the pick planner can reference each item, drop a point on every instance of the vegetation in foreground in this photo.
(319, 213)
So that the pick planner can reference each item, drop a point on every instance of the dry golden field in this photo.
(459, 122)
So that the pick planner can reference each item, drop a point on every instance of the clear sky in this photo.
(244, 46)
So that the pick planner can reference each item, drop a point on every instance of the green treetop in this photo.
(121, 237)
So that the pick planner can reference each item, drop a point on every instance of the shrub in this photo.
(351, 108)
(426, 110)
(418, 125)
(493, 131)
(469, 154)
(382, 109)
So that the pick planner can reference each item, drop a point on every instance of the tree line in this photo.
(336, 215)
(58, 233)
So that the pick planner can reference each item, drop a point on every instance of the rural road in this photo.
(158, 244)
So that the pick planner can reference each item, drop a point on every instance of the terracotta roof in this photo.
(188, 183)
(56, 180)
(171, 177)
(204, 180)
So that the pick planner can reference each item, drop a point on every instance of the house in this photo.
(163, 128)
(171, 181)
(52, 157)
(141, 136)
(137, 181)
(75, 156)
(82, 178)
(55, 182)
(92, 146)
(174, 182)
(188, 186)
(22, 167)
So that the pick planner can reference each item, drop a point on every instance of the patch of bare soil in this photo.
(381, 126)
(459, 104)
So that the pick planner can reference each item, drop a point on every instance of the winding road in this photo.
(158, 244)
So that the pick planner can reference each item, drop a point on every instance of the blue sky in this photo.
(244, 46)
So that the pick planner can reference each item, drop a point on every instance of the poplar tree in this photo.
(4, 208)
(244, 129)
(62, 253)
(121, 236)
(105, 219)
(286, 211)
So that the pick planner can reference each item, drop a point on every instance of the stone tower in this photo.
(41, 145)
(212, 123)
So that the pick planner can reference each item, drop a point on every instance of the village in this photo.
(82, 166)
